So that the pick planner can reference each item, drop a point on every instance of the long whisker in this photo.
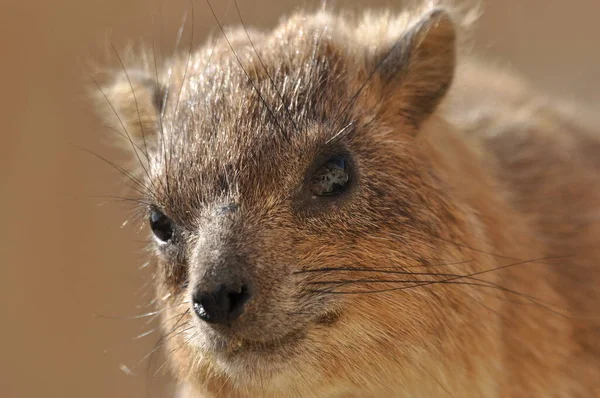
(381, 270)
(137, 107)
(165, 147)
(394, 271)
(174, 332)
(341, 132)
(162, 105)
(123, 199)
(138, 185)
(462, 276)
(144, 334)
(264, 67)
(124, 136)
(366, 82)
(187, 64)
(478, 283)
(176, 348)
(450, 280)
(140, 316)
(258, 92)
(133, 145)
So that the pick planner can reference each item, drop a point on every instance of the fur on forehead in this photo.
(258, 98)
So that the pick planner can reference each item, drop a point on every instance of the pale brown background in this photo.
(63, 258)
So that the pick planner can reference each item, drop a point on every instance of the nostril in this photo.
(222, 305)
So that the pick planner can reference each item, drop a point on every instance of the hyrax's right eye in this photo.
(161, 226)
(331, 178)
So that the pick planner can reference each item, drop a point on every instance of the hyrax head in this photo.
(282, 178)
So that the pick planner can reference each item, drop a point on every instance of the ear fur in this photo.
(419, 68)
(131, 103)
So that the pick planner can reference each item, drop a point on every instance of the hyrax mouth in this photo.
(230, 343)
(277, 345)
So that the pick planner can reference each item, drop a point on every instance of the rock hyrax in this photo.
(351, 206)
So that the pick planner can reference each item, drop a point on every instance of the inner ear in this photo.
(419, 68)
(132, 103)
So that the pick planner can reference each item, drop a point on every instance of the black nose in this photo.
(222, 305)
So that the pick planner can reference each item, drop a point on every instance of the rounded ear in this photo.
(132, 103)
(419, 68)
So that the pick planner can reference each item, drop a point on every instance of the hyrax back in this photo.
(348, 206)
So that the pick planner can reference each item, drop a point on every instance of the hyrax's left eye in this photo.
(161, 226)
(331, 178)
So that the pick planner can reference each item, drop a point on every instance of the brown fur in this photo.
(469, 231)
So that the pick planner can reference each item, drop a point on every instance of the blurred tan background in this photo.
(68, 271)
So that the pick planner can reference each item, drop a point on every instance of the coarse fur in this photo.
(461, 261)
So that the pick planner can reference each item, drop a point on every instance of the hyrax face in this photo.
(288, 197)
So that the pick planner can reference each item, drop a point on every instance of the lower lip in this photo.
(235, 348)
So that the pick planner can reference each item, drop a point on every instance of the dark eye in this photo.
(331, 178)
(161, 225)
